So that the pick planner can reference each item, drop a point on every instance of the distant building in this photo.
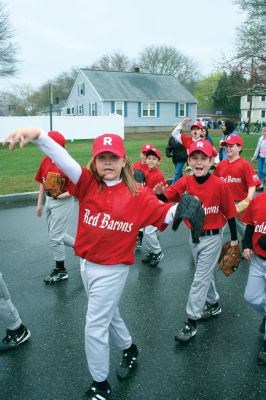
(57, 108)
(253, 105)
(146, 100)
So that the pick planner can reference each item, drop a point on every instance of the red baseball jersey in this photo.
(153, 177)
(214, 194)
(47, 165)
(141, 166)
(255, 215)
(109, 219)
(186, 141)
(239, 175)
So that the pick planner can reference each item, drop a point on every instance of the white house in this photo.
(253, 106)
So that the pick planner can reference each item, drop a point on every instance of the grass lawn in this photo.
(19, 168)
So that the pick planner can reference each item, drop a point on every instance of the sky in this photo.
(53, 36)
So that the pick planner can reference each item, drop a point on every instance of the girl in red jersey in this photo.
(254, 250)
(108, 224)
(219, 208)
(238, 174)
(58, 210)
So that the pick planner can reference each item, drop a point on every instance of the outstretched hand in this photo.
(159, 188)
(21, 136)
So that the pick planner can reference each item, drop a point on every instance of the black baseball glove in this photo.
(139, 176)
(190, 208)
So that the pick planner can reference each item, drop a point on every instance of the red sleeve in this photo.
(173, 192)
(157, 210)
(39, 173)
(80, 189)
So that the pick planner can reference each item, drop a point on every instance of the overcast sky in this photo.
(55, 35)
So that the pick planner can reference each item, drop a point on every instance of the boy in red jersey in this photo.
(153, 177)
(238, 174)
(254, 250)
(219, 208)
(112, 209)
(141, 164)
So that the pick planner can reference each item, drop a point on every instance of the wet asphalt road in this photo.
(219, 363)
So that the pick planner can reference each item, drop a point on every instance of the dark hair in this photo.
(229, 126)
(207, 132)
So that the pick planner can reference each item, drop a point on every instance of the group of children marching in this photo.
(114, 209)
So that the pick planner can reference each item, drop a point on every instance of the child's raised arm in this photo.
(53, 150)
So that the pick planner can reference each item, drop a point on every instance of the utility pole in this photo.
(250, 100)
(51, 105)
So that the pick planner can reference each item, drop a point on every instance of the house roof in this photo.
(136, 86)
(56, 107)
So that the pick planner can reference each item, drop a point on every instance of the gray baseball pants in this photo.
(104, 285)
(57, 214)
(205, 254)
(150, 240)
(8, 312)
(255, 292)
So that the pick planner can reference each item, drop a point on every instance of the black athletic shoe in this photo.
(147, 258)
(56, 275)
(128, 362)
(262, 354)
(186, 333)
(13, 339)
(262, 325)
(93, 393)
(155, 259)
(210, 310)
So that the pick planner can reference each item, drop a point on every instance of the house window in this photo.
(71, 110)
(262, 98)
(119, 107)
(93, 109)
(148, 109)
(80, 109)
(263, 113)
(81, 89)
(248, 98)
(181, 110)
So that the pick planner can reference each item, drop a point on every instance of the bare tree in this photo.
(116, 61)
(8, 50)
(168, 60)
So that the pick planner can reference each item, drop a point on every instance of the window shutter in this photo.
(176, 109)
(125, 109)
(158, 110)
(187, 110)
(112, 107)
(139, 109)
(95, 109)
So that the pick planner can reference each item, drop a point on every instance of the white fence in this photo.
(72, 128)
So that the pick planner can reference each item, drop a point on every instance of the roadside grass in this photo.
(17, 169)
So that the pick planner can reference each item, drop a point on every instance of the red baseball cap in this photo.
(233, 139)
(197, 125)
(156, 151)
(108, 142)
(204, 146)
(57, 137)
(146, 147)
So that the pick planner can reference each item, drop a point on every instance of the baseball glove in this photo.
(241, 206)
(139, 176)
(190, 208)
(230, 258)
(54, 184)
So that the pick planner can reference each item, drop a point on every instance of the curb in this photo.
(18, 197)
